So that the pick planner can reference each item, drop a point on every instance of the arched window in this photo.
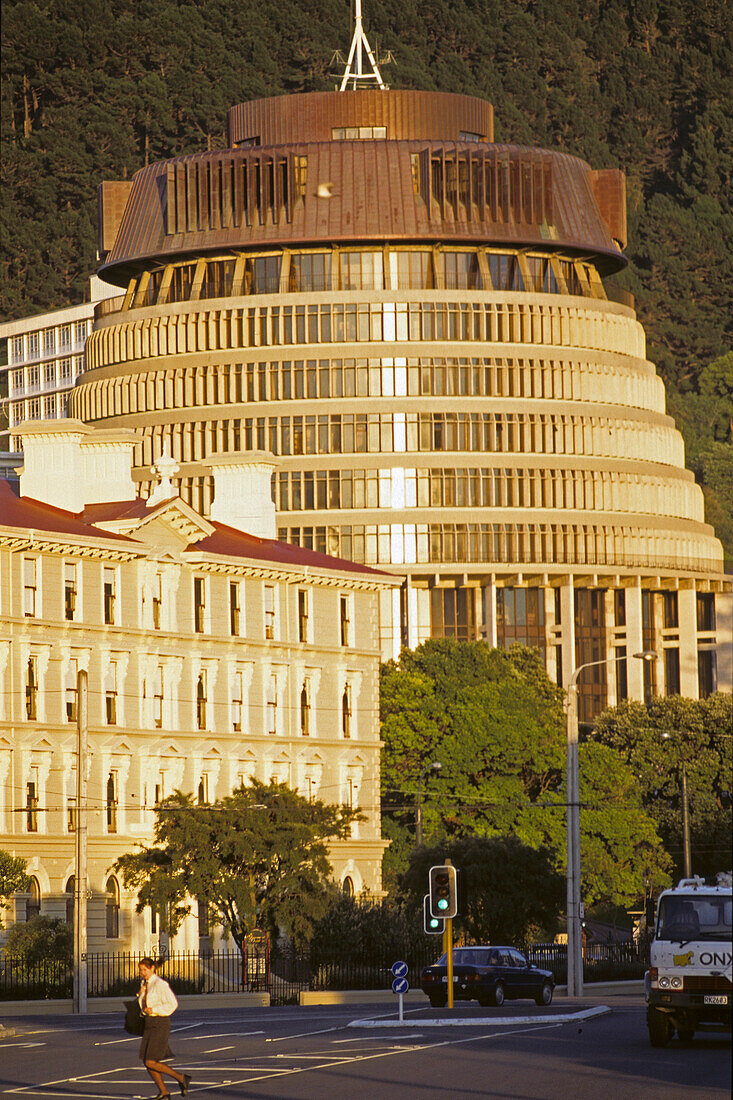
(304, 711)
(348, 886)
(112, 802)
(70, 888)
(33, 905)
(113, 908)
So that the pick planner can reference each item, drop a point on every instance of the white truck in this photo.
(689, 981)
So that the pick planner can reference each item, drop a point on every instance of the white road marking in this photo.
(219, 1035)
(216, 1050)
(22, 1045)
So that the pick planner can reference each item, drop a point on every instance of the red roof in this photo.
(230, 542)
(34, 515)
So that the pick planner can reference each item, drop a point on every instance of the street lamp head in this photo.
(646, 655)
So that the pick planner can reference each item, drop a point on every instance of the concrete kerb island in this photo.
(487, 1021)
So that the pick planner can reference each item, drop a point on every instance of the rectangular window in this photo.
(672, 670)
(110, 595)
(70, 591)
(70, 691)
(234, 609)
(302, 615)
(65, 338)
(30, 566)
(705, 611)
(269, 611)
(48, 341)
(237, 699)
(201, 701)
(707, 672)
(80, 332)
(158, 699)
(199, 604)
(670, 609)
(31, 806)
(110, 693)
(31, 689)
(272, 706)
(157, 600)
(344, 619)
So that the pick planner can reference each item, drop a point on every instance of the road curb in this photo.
(488, 1021)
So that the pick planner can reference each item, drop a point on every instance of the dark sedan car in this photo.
(488, 975)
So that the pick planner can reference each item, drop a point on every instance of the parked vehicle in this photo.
(688, 984)
(489, 975)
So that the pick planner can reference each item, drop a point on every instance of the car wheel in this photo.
(660, 1031)
(686, 1034)
(484, 1000)
(438, 1000)
(498, 995)
(544, 997)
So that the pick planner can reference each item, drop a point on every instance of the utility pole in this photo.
(80, 871)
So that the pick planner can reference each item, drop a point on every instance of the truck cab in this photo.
(689, 982)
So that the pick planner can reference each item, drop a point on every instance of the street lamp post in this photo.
(434, 767)
(686, 846)
(574, 905)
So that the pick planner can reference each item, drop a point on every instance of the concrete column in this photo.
(687, 613)
(634, 669)
(489, 604)
(567, 624)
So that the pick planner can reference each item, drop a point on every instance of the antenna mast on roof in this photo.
(354, 75)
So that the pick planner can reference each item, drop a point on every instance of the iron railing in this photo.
(224, 972)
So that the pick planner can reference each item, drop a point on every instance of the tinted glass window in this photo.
(519, 959)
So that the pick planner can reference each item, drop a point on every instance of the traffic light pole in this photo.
(449, 951)
(448, 943)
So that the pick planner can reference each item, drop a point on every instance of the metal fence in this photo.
(224, 972)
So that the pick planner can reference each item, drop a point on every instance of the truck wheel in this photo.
(660, 1031)
(686, 1034)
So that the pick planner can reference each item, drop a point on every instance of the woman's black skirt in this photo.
(154, 1046)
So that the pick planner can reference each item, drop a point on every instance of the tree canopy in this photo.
(494, 721)
(41, 939)
(257, 859)
(12, 878)
(509, 891)
(654, 740)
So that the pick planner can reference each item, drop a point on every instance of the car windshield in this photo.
(698, 917)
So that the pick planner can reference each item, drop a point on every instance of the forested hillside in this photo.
(94, 90)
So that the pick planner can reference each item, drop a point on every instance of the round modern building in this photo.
(421, 325)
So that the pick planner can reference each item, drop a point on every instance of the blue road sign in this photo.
(399, 969)
(400, 985)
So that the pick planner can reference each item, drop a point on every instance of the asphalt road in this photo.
(314, 1054)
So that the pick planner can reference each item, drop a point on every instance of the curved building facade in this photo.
(421, 325)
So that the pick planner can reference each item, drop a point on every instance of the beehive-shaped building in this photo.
(421, 325)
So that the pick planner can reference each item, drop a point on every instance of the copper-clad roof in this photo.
(406, 115)
(469, 191)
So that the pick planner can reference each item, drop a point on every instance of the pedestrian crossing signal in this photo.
(434, 926)
(443, 891)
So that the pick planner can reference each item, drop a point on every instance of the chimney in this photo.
(69, 464)
(243, 492)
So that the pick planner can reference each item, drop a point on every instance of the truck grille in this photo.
(698, 983)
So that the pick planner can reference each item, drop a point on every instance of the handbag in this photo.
(134, 1019)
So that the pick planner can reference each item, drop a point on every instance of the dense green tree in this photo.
(654, 740)
(258, 859)
(12, 878)
(509, 891)
(41, 940)
(493, 719)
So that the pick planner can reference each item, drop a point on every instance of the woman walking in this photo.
(157, 1003)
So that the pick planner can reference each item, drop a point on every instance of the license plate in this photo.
(445, 978)
(712, 999)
